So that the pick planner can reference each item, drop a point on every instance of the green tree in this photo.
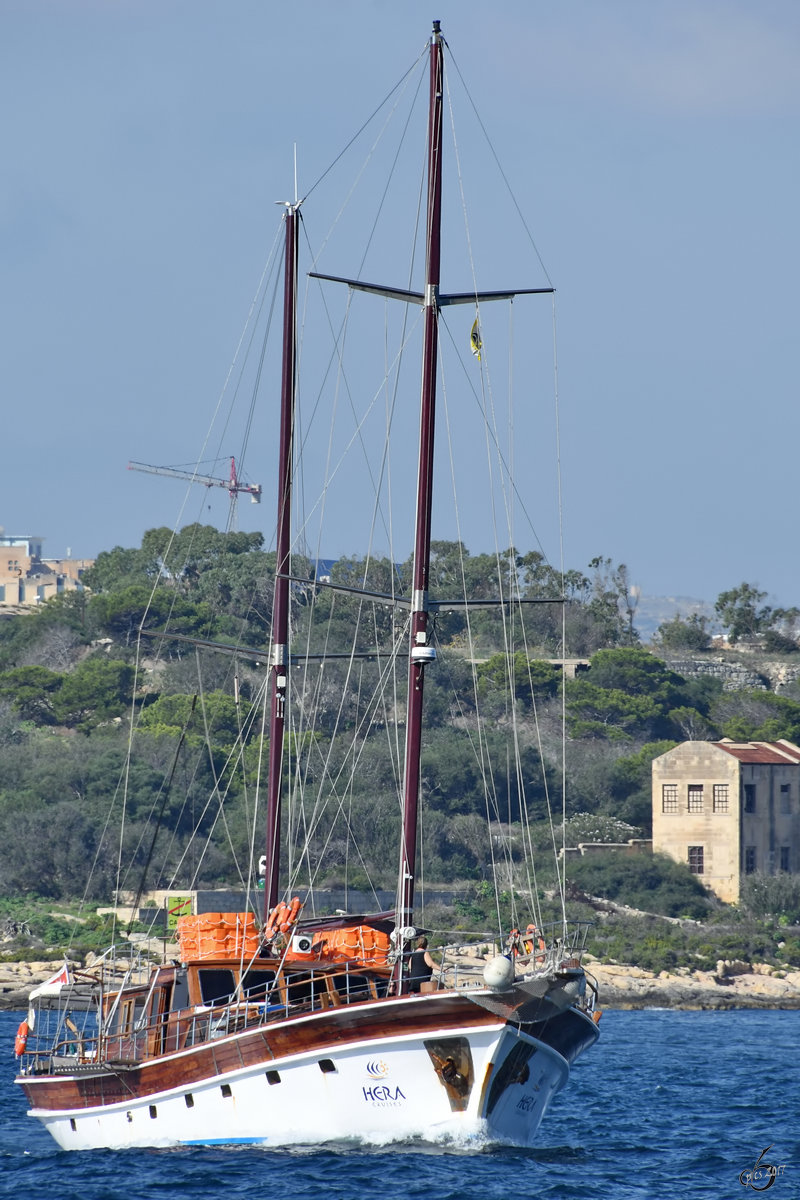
(684, 635)
(742, 613)
(98, 690)
(530, 677)
(757, 716)
(32, 691)
(216, 718)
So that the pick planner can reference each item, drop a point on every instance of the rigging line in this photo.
(101, 842)
(498, 450)
(359, 422)
(254, 396)
(254, 306)
(353, 753)
(390, 175)
(340, 806)
(355, 183)
(481, 752)
(232, 758)
(263, 708)
(509, 656)
(500, 169)
(530, 860)
(271, 268)
(332, 469)
(545, 784)
(173, 535)
(461, 192)
(231, 763)
(400, 84)
(363, 720)
(393, 367)
(384, 472)
(557, 408)
(165, 791)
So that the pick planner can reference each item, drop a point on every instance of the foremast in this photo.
(279, 652)
(421, 652)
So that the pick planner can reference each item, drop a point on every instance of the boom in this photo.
(233, 484)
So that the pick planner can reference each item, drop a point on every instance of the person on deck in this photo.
(420, 966)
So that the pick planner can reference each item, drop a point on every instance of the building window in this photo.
(669, 797)
(786, 798)
(749, 860)
(749, 797)
(786, 858)
(695, 797)
(696, 860)
(720, 797)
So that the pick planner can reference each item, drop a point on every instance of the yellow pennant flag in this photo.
(475, 340)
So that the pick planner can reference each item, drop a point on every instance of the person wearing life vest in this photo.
(513, 943)
(533, 941)
(420, 965)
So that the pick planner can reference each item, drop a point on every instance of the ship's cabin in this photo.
(184, 1005)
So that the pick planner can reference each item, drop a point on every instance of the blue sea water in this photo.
(667, 1104)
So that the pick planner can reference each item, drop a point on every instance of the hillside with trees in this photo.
(87, 724)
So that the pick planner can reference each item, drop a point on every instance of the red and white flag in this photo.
(53, 986)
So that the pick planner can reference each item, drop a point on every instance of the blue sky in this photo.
(653, 147)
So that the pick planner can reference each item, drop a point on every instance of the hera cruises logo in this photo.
(381, 1095)
(762, 1174)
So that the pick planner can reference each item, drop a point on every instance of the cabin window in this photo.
(695, 797)
(129, 1014)
(327, 1066)
(273, 1077)
(256, 984)
(749, 860)
(72, 1125)
(216, 985)
(669, 797)
(720, 797)
(189, 1100)
(153, 1112)
(696, 860)
(226, 1090)
(180, 992)
(749, 797)
(352, 987)
(306, 989)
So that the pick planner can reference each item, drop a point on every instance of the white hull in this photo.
(376, 1092)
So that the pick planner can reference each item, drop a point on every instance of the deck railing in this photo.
(56, 1042)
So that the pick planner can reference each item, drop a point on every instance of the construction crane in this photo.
(233, 484)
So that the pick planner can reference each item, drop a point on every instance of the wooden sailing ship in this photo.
(305, 1030)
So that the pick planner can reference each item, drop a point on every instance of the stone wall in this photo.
(737, 676)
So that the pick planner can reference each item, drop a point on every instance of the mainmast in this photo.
(421, 652)
(279, 655)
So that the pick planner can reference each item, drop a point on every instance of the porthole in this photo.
(327, 1065)
(273, 1077)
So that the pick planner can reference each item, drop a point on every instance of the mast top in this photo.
(437, 29)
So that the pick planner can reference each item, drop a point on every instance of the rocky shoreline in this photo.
(731, 985)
